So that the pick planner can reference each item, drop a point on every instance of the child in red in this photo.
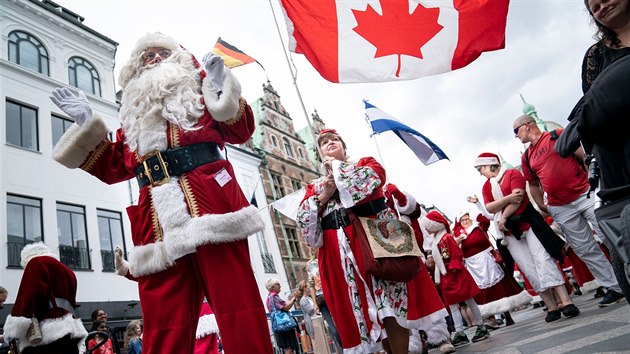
(455, 281)
(108, 347)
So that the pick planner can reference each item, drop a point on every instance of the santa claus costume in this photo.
(409, 211)
(498, 292)
(358, 301)
(191, 223)
(455, 281)
(47, 293)
(207, 332)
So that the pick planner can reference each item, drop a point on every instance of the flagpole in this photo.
(294, 77)
(373, 135)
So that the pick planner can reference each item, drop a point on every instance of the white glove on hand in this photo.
(77, 107)
(215, 71)
(118, 258)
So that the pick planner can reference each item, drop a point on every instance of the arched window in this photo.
(82, 75)
(287, 147)
(274, 141)
(28, 51)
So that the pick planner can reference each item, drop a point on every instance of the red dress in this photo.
(353, 296)
(499, 293)
(457, 284)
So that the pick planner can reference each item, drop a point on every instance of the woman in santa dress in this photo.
(409, 211)
(455, 281)
(365, 308)
(499, 293)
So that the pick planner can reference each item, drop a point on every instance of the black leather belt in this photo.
(159, 166)
(339, 218)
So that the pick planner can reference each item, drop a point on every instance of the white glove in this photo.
(77, 107)
(215, 71)
(118, 257)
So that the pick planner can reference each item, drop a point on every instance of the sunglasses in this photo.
(519, 127)
(149, 56)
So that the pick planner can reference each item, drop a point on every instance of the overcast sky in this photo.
(465, 112)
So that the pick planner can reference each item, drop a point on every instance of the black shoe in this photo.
(459, 340)
(570, 311)
(481, 334)
(599, 293)
(553, 316)
(611, 297)
(491, 326)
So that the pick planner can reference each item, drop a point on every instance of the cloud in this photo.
(465, 112)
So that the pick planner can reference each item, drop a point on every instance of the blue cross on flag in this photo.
(424, 148)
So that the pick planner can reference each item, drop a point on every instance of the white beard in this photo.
(168, 91)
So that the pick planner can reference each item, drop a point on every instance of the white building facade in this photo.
(44, 46)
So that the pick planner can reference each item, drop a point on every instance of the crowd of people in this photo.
(385, 275)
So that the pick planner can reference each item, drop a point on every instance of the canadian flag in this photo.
(390, 40)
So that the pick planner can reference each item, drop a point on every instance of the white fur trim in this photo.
(148, 259)
(172, 211)
(408, 208)
(194, 232)
(35, 249)
(229, 227)
(486, 161)
(589, 286)
(505, 304)
(153, 40)
(226, 106)
(206, 326)
(124, 268)
(15, 327)
(52, 329)
(77, 142)
(438, 333)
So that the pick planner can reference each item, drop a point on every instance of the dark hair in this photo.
(97, 324)
(95, 314)
(604, 33)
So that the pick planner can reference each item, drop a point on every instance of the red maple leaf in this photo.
(397, 31)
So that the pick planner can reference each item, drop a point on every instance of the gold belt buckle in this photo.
(162, 164)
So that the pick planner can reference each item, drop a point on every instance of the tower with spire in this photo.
(530, 110)
(287, 167)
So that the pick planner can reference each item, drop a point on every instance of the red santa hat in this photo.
(432, 219)
(151, 40)
(35, 250)
(326, 133)
(487, 159)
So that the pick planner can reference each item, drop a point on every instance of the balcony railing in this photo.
(107, 257)
(14, 250)
(74, 257)
(267, 259)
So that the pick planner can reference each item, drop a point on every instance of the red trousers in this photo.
(171, 301)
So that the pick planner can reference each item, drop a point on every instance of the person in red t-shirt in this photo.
(565, 182)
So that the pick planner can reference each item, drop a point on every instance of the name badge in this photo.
(222, 177)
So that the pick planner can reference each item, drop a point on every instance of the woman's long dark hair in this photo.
(604, 33)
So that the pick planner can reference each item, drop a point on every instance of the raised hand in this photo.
(215, 71)
(472, 199)
(77, 107)
(118, 257)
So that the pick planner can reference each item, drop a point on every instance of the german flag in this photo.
(231, 55)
